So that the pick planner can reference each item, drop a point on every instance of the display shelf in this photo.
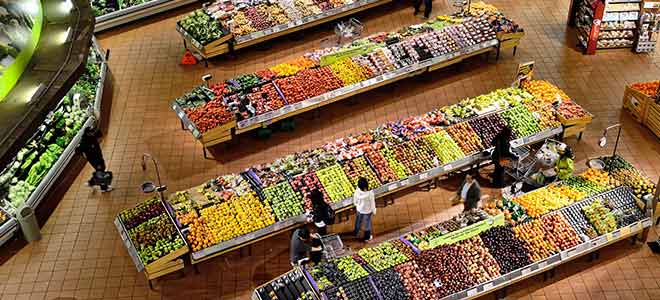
(133, 13)
(163, 264)
(652, 120)
(291, 285)
(380, 192)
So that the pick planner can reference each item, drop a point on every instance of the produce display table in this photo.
(154, 244)
(110, 18)
(370, 270)
(639, 99)
(228, 43)
(250, 101)
(39, 165)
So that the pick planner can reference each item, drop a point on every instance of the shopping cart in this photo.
(528, 165)
(333, 247)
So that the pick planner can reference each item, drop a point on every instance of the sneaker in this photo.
(371, 237)
(109, 189)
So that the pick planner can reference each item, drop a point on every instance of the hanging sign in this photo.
(524, 73)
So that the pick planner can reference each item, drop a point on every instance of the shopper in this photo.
(90, 148)
(501, 155)
(469, 192)
(428, 5)
(365, 204)
(565, 163)
(322, 214)
(300, 246)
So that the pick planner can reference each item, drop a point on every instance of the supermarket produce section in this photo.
(235, 210)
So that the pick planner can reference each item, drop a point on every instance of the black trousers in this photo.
(99, 166)
(427, 7)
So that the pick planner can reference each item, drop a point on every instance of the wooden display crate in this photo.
(509, 40)
(636, 103)
(652, 120)
(166, 268)
(165, 262)
(218, 135)
(578, 121)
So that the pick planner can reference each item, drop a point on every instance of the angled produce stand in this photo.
(640, 100)
(443, 42)
(228, 42)
(113, 13)
(630, 228)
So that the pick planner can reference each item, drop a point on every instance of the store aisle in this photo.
(81, 255)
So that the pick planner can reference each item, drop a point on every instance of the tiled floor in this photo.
(81, 255)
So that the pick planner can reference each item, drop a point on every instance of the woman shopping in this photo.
(365, 204)
(322, 213)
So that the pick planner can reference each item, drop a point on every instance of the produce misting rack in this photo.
(546, 266)
(164, 265)
(229, 43)
(381, 192)
(227, 131)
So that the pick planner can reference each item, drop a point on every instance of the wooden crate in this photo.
(218, 133)
(579, 121)
(508, 44)
(637, 103)
(574, 130)
(652, 120)
(168, 268)
(165, 261)
(502, 36)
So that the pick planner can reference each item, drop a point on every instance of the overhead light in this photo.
(31, 7)
(66, 6)
(36, 92)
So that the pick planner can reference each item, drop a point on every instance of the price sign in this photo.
(471, 292)
(542, 264)
(646, 223)
(191, 128)
(488, 286)
(525, 271)
(404, 182)
(180, 114)
(423, 176)
(448, 167)
(625, 230)
(392, 187)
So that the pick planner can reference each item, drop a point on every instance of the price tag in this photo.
(191, 128)
(542, 264)
(616, 234)
(448, 167)
(525, 271)
(646, 223)
(423, 176)
(471, 292)
(625, 231)
(282, 27)
(437, 283)
(488, 286)
(180, 114)
(391, 187)
(404, 182)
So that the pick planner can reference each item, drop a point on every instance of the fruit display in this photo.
(335, 183)
(303, 162)
(383, 256)
(350, 268)
(559, 232)
(647, 88)
(446, 266)
(390, 285)
(545, 91)
(600, 217)
(466, 138)
(210, 115)
(487, 128)
(570, 110)
(513, 212)
(265, 98)
(292, 285)
(533, 234)
(264, 176)
(305, 184)
(403, 248)
(615, 163)
(479, 262)
(570, 193)
(596, 176)
(521, 121)
(444, 147)
(360, 289)
(146, 210)
(541, 201)
(507, 249)
(417, 285)
(633, 178)
(358, 167)
(381, 166)
(414, 156)
(350, 72)
(582, 185)
(544, 113)
(574, 215)
(399, 169)
(201, 27)
(155, 238)
(284, 201)
(326, 274)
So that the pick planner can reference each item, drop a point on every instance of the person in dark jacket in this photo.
(428, 5)
(90, 148)
(501, 154)
(321, 212)
(469, 192)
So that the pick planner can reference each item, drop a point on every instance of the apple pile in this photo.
(146, 210)
(286, 202)
(381, 166)
(152, 230)
(358, 167)
(508, 250)
(521, 121)
(390, 285)
(417, 159)
(570, 110)
(545, 113)
(383, 256)
(488, 127)
(479, 262)
(465, 137)
(600, 216)
(403, 248)
(350, 268)
(335, 183)
(305, 184)
(444, 147)
(559, 232)
(417, 285)
(446, 266)
(536, 240)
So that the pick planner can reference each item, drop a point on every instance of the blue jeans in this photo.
(362, 219)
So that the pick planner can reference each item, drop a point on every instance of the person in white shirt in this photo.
(365, 204)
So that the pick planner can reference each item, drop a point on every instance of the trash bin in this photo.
(28, 222)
